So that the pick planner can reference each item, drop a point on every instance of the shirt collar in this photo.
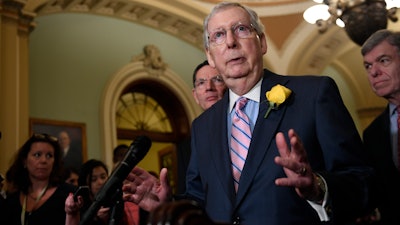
(253, 94)
(392, 108)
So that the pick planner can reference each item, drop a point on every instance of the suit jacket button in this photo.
(236, 221)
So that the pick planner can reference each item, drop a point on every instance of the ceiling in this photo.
(294, 46)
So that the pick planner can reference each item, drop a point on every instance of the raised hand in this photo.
(145, 190)
(298, 171)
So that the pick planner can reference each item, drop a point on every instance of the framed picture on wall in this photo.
(71, 137)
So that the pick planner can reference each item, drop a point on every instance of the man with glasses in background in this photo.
(208, 88)
(208, 85)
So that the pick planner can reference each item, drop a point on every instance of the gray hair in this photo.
(393, 38)
(254, 19)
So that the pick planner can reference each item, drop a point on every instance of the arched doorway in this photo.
(139, 100)
(149, 108)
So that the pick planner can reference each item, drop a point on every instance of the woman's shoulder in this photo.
(12, 198)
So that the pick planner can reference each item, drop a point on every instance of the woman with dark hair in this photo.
(36, 192)
(70, 176)
(94, 174)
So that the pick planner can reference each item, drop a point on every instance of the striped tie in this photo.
(240, 139)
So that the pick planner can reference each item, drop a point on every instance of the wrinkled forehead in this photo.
(227, 17)
(380, 50)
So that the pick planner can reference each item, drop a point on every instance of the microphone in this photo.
(136, 152)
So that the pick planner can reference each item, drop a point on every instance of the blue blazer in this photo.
(317, 113)
(379, 153)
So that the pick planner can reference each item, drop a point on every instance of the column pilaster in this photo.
(15, 28)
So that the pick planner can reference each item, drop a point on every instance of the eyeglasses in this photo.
(239, 30)
(45, 137)
(201, 83)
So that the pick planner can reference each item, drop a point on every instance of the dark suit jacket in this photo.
(73, 159)
(183, 156)
(379, 152)
(316, 111)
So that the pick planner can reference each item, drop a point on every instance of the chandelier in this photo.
(360, 18)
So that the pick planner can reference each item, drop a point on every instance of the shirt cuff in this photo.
(321, 209)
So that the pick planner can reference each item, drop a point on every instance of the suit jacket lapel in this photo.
(263, 134)
(384, 134)
(221, 155)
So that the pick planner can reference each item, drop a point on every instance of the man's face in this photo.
(64, 140)
(383, 67)
(238, 59)
(209, 87)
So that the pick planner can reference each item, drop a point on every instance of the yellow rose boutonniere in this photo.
(276, 96)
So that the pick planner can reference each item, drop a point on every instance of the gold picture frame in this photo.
(167, 159)
(77, 153)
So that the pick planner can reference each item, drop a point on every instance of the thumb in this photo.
(164, 177)
(166, 189)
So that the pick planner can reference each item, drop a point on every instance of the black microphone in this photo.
(136, 152)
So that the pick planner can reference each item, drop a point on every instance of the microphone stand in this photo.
(116, 212)
(116, 208)
(113, 185)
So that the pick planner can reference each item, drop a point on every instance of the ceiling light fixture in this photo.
(359, 18)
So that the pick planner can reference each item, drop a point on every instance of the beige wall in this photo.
(72, 57)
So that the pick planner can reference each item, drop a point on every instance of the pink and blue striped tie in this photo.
(240, 139)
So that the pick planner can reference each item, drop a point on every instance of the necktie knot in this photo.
(241, 103)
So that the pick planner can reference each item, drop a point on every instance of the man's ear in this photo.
(263, 43)
(195, 96)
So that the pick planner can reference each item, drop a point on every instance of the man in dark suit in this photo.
(208, 88)
(381, 54)
(318, 178)
(72, 154)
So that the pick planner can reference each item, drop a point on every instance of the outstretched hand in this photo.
(145, 190)
(295, 163)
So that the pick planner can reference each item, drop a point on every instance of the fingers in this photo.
(72, 207)
(129, 191)
(296, 143)
(131, 183)
(135, 178)
(302, 171)
(294, 161)
(285, 159)
(140, 184)
(281, 145)
(103, 214)
(294, 158)
(146, 190)
(135, 173)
